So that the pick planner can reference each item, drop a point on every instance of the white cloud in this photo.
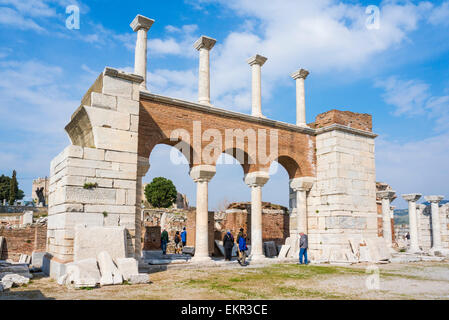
(440, 15)
(12, 18)
(413, 97)
(415, 166)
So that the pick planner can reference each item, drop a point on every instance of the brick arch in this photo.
(290, 165)
(244, 159)
(183, 147)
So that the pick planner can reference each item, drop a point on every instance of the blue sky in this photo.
(399, 73)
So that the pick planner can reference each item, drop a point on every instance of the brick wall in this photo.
(362, 121)
(275, 224)
(151, 237)
(23, 240)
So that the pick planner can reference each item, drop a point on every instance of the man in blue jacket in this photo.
(303, 246)
(184, 236)
(242, 248)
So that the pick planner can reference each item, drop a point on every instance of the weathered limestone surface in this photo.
(127, 267)
(93, 182)
(83, 273)
(91, 241)
(342, 202)
(110, 274)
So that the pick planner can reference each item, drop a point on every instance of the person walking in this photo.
(164, 241)
(242, 249)
(303, 246)
(184, 236)
(228, 244)
(238, 241)
(178, 241)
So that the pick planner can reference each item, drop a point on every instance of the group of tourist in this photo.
(228, 244)
(180, 240)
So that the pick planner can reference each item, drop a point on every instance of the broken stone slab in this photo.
(139, 278)
(127, 267)
(284, 251)
(11, 280)
(37, 259)
(83, 273)
(220, 247)
(270, 249)
(21, 269)
(24, 258)
(159, 261)
(90, 241)
(109, 272)
(188, 250)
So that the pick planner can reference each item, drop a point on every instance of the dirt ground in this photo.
(423, 280)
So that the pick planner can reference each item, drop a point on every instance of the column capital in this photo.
(204, 42)
(141, 22)
(202, 173)
(301, 73)
(143, 165)
(413, 197)
(257, 59)
(302, 183)
(434, 199)
(387, 194)
(256, 179)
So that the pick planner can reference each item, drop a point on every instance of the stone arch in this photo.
(80, 129)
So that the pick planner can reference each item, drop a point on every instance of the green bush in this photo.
(161, 192)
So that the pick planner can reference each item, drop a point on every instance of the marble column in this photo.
(301, 186)
(256, 62)
(413, 220)
(386, 197)
(143, 166)
(141, 25)
(300, 76)
(204, 45)
(256, 180)
(202, 174)
(436, 227)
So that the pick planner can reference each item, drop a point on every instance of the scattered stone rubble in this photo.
(102, 271)
(13, 275)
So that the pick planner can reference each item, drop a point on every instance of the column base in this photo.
(203, 259)
(414, 250)
(439, 252)
(256, 257)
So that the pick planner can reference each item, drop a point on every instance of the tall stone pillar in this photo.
(202, 174)
(386, 197)
(413, 220)
(300, 76)
(143, 166)
(141, 25)
(256, 180)
(204, 45)
(436, 227)
(256, 62)
(301, 186)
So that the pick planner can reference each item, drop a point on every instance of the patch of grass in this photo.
(90, 185)
(85, 288)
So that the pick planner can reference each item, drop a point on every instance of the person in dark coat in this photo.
(228, 244)
(164, 241)
(303, 246)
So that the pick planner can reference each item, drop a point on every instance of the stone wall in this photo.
(23, 240)
(40, 183)
(342, 202)
(275, 223)
(361, 121)
(94, 181)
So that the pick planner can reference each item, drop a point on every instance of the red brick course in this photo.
(23, 240)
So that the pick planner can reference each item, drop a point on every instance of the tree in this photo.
(5, 188)
(13, 188)
(161, 192)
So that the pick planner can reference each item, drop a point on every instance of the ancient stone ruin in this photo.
(96, 181)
